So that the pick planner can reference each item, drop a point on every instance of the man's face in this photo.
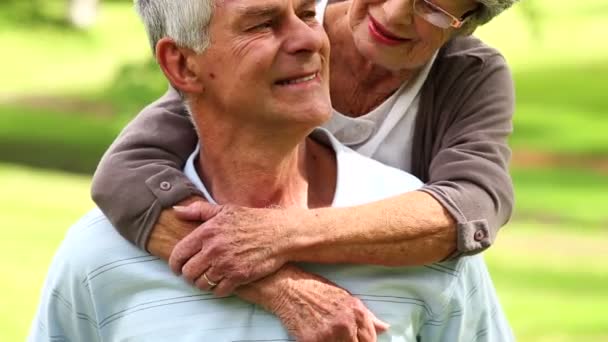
(267, 60)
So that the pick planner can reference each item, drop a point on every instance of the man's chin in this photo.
(304, 113)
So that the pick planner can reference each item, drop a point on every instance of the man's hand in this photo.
(233, 247)
(313, 309)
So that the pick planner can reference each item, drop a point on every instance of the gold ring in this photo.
(212, 284)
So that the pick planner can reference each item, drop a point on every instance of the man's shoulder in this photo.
(91, 241)
(93, 225)
(92, 219)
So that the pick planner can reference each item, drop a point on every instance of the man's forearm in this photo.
(410, 229)
(169, 230)
(268, 292)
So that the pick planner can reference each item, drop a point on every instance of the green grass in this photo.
(564, 197)
(562, 109)
(69, 141)
(36, 209)
(553, 283)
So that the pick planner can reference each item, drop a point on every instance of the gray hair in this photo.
(184, 21)
(488, 9)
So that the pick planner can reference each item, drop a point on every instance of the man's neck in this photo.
(266, 168)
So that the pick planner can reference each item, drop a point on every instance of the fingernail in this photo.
(180, 208)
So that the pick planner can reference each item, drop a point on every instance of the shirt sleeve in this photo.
(469, 172)
(141, 173)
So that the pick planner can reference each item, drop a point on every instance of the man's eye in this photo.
(262, 26)
(308, 15)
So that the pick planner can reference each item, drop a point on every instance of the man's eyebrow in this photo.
(264, 10)
(306, 4)
(267, 10)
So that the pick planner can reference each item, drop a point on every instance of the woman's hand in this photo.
(233, 247)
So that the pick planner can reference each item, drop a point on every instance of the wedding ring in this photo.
(212, 284)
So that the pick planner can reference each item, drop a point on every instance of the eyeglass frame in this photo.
(456, 22)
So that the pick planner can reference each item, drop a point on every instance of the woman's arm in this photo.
(140, 175)
(465, 157)
(246, 244)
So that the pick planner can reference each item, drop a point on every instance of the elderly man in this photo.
(256, 98)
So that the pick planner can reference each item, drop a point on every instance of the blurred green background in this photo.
(68, 91)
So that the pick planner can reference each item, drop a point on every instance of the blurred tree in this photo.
(531, 10)
(79, 14)
(82, 13)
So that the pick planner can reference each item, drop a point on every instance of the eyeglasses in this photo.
(437, 15)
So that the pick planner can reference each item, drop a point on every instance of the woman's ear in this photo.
(178, 66)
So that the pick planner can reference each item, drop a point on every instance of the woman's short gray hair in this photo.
(488, 9)
(184, 21)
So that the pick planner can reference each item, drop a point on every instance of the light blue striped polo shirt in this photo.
(102, 288)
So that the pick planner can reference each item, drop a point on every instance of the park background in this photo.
(67, 91)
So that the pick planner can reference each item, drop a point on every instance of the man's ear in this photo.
(177, 65)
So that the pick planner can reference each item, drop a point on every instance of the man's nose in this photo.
(398, 12)
(303, 36)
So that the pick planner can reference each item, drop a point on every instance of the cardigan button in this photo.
(479, 235)
(165, 186)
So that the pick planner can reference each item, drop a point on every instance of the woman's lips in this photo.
(383, 35)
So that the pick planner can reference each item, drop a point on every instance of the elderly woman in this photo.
(410, 88)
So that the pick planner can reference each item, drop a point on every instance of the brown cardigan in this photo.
(460, 150)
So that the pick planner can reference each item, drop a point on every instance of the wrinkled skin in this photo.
(310, 307)
(230, 254)
(313, 309)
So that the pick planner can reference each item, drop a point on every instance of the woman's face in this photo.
(391, 35)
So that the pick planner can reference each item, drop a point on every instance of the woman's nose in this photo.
(398, 12)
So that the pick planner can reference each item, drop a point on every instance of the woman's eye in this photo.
(428, 7)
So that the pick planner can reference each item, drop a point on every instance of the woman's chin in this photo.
(391, 58)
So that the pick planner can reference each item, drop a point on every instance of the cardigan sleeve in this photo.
(141, 173)
(469, 170)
